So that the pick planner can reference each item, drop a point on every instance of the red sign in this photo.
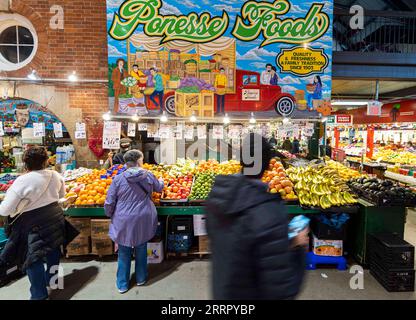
(344, 119)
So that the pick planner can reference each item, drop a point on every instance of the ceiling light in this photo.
(252, 119)
(107, 116)
(135, 117)
(286, 120)
(73, 77)
(33, 76)
(193, 117)
(226, 119)
(349, 103)
(324, 119)
(164, 118)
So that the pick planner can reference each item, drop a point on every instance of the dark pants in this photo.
(220, 103)
(39, 278)
(160, 94)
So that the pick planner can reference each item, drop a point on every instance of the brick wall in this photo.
(82, 47)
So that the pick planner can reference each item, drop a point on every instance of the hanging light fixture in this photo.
(73, 77)
(33, 76)
(107, 116)
(226, 119)
(252, 119)
(193, 117)
(286, 121)
(164, 117)
(135, 117)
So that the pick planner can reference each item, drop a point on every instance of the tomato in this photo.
(171, 181)
(175, 189)
(181, 181)
(184, 196)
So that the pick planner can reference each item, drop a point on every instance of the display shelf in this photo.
(173, 211)
(400, 178)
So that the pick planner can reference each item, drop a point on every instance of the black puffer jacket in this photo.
(248, 229)
(34, 234)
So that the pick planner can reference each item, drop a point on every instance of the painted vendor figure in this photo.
(118, 75)
(220, 85)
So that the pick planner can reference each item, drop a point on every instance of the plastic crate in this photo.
(390, 251)
(181, 225)
(396, 280)
(179, 243)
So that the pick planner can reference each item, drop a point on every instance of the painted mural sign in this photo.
(21, 113)
(212, 57)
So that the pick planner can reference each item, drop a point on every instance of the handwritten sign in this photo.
(165, 131)
(57, 130)
(79, 135)
(217, 132)
(131, 129)
(80, 126)
(142, 127)
(202, 132)
(189, 133)
(111, 135)
(38, 129)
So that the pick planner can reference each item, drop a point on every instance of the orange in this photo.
(78, 202)
(93, 193)
(90, 202)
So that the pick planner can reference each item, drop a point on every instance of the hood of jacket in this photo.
(236, 193)
(138, 175)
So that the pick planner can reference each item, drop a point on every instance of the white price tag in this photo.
(1, 129)
(57, 130)
(80, 135)
(80, 126)
(131, 129)
(165, 131)
(202, 132)
(142, 127)
(38, 129)
(218, 132)
(189, 133)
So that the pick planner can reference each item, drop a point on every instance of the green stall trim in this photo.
(171, 211)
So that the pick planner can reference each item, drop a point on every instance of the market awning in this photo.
(205, 49)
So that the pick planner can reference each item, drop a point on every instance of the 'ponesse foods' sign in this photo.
(230, 48)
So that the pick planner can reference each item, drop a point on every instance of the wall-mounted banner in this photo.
(271, 57)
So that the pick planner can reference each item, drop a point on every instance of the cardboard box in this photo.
(330, 248)
(102, 247)
(203, 242)
(155, 252)
(200, 225)
(100, 228)
(83, 225)
(80, 246)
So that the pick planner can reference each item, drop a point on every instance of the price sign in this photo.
(178, 131)
(142, 126)
(217, 132)
(374, 108)
(80, 135)
(131, 129)
(202, 132)
(165, 131)
(189, 133)
(111, 135)
(80, 126)
(1, 129)
(57, 130)
(38, 129)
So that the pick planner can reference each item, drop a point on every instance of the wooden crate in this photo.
(80, 246)
(173, 84)
(206, 108)
(190, 67)
(100, 228)
(203, 244)
(187, 103)
(83, 225)
(102, 246)
(206, 76)
(174, 56)
(158, 64)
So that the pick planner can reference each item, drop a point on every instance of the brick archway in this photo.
(19, 7)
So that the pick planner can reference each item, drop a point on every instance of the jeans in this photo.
(313, 96)
(39, 278)
(220, 103)
(124, 265)
(160, 94)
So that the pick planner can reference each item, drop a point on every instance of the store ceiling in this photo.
(398, 5)
(365, 89)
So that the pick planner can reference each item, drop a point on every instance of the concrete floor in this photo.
(189, 279)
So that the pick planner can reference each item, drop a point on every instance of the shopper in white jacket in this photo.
(37, 227)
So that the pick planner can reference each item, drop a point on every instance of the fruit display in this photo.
(70, 175)
(90, 189)
(320, 186)
(177, 188)
(202, 186)
(278, 181)
(395, 156)
(344, 172)
(6, 181)
(383, 192)
(223, 168)
(5, 186)
(287, 154)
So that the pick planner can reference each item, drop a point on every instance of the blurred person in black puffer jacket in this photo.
(252, 255)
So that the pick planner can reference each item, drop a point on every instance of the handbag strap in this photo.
(22, 210)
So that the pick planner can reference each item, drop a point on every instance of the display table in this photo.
(400, 178)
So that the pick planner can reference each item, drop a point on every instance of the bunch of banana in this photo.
(320, 186)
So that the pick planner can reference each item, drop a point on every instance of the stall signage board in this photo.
(344, 119)
(331, 120)
(57, 130)
(111, 135)
(182, 37)
(374, 108)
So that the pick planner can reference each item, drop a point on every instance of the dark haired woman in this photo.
(36, 229)
(317, 93)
